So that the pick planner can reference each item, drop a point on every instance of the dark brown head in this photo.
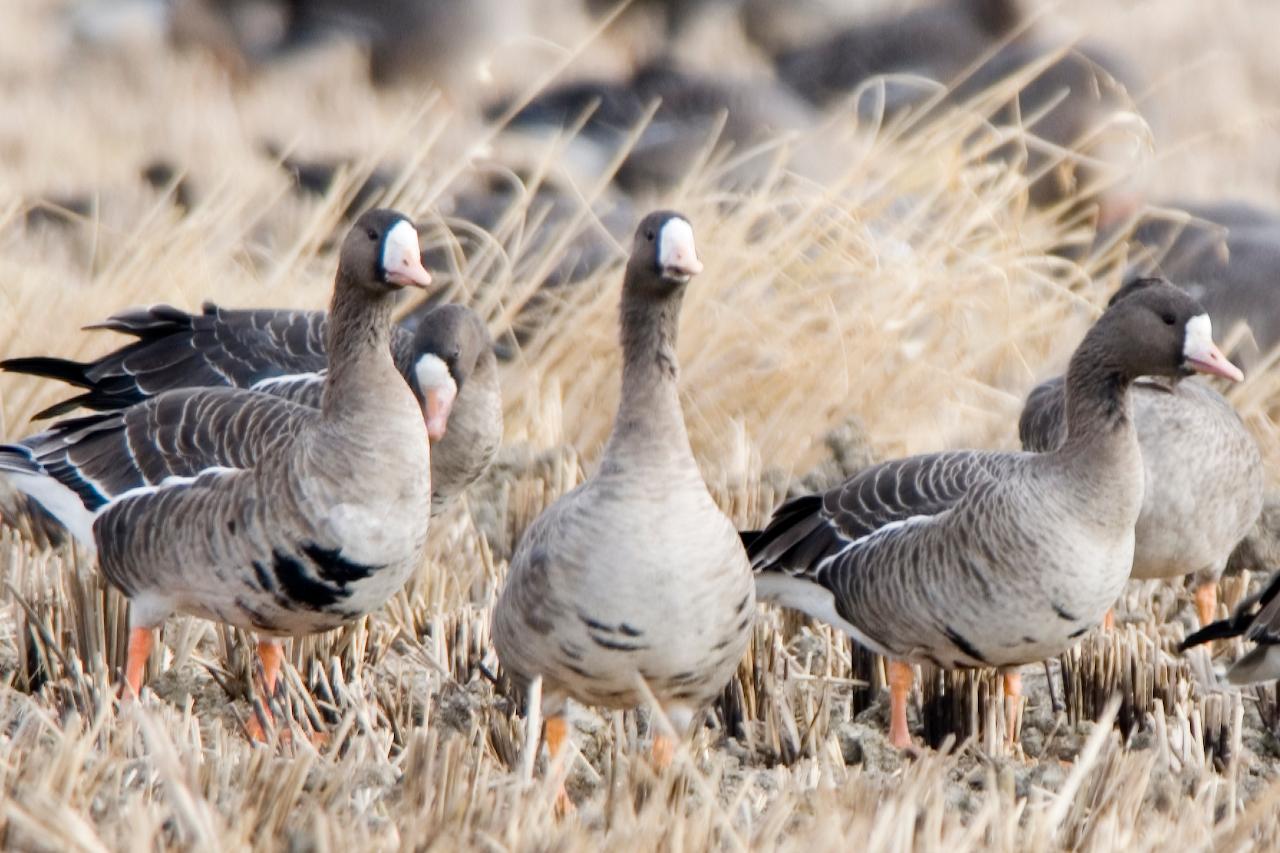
(381, 253)
(663, 256)
(1151, 328)
(449, 345)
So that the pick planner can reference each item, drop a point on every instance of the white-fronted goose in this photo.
(247, 508)
(1203, 474)
(984, 558)
(447, 360)
(636, 574)
(1257, 619)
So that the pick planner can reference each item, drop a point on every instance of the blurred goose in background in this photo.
(985, 558)
(71, 209)
(448, 362)
(692, 112)
(317, 177)
(674, 16)
(937, 41)
(636, 575)
(1256, 619)
(1202, 469)
(1228, 260)
(248, 508)
(505, 223)
(445, 43)
(1076, 99)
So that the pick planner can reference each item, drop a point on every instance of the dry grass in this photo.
(889, 273)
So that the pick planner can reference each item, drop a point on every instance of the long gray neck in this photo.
(649, 418)
(359, 348)
(1098, 409)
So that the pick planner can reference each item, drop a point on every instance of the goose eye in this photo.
(373, 235)
(1169, 319)
(648, 235)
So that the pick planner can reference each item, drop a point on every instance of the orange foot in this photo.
(141, 640)
(663, 752)
(1207, 602)
(901, 677)
(557, 735)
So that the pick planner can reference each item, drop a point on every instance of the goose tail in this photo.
(19, 466)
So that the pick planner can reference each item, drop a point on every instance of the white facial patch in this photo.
(399, 246)
(675, 245)
(432, 372)
(439, 390)
(1198, 340)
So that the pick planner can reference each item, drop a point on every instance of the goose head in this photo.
(663, 255)
(449, 344)
(381, 253)
(1156, 329)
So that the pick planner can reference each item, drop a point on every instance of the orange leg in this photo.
(663, 752)
(271, 653)
(1013, 705)
(1109, 621)
(140, 642)
(557, 734)
(901, 677)
(1207, 602)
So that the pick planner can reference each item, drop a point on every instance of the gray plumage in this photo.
(983, 558)
(636, 573)
(285, 353)
(251, 509)
(1202, 470)
(1228, 265)
(690, 111)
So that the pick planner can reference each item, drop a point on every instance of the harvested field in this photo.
(879, 288)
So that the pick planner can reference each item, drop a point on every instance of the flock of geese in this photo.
(278, 471)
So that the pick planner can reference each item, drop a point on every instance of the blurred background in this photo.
(926, 200)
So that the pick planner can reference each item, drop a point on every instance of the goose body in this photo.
(247, 508)
(1202, 470)
(690, 111)
(963, 559)
(980, 558)
(238, 506)
(636, 575)
(447, 361)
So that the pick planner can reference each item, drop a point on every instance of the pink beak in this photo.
(439, 404)
(408, 271)
(1210, 360)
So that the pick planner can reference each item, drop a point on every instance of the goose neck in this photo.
(359, 347)
(649, 409)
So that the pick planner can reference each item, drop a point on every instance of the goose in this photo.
(635, 575)
(938, 41)
(447, 43)
(977, 558)
(1202, 470)
(1257, 619)
(690, 111)
(448, 361)
(248, 508)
